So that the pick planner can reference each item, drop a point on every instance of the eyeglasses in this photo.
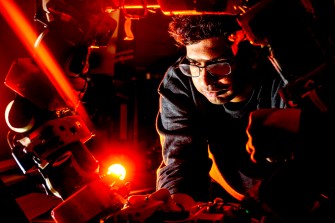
(216, 69)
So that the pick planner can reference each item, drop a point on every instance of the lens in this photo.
(188, 70)
(219, 69)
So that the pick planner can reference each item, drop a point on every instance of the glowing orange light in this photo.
(117, 170)
(153, 6)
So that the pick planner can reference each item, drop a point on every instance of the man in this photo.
(205, 101)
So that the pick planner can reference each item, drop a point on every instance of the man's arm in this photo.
(185, 167)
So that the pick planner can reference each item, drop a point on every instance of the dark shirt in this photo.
(188, 123)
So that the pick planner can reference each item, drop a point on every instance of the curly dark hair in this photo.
(191, 29)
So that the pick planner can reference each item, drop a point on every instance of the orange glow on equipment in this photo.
(44, 59)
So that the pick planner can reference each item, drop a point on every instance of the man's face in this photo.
(218, 89)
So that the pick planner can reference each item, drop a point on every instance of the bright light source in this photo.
(117, 170)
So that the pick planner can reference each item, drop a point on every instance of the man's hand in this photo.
(156, 207)
(273, 134)
(159, 195)
(174, 202)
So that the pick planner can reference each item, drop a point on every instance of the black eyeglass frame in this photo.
(188, 74)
